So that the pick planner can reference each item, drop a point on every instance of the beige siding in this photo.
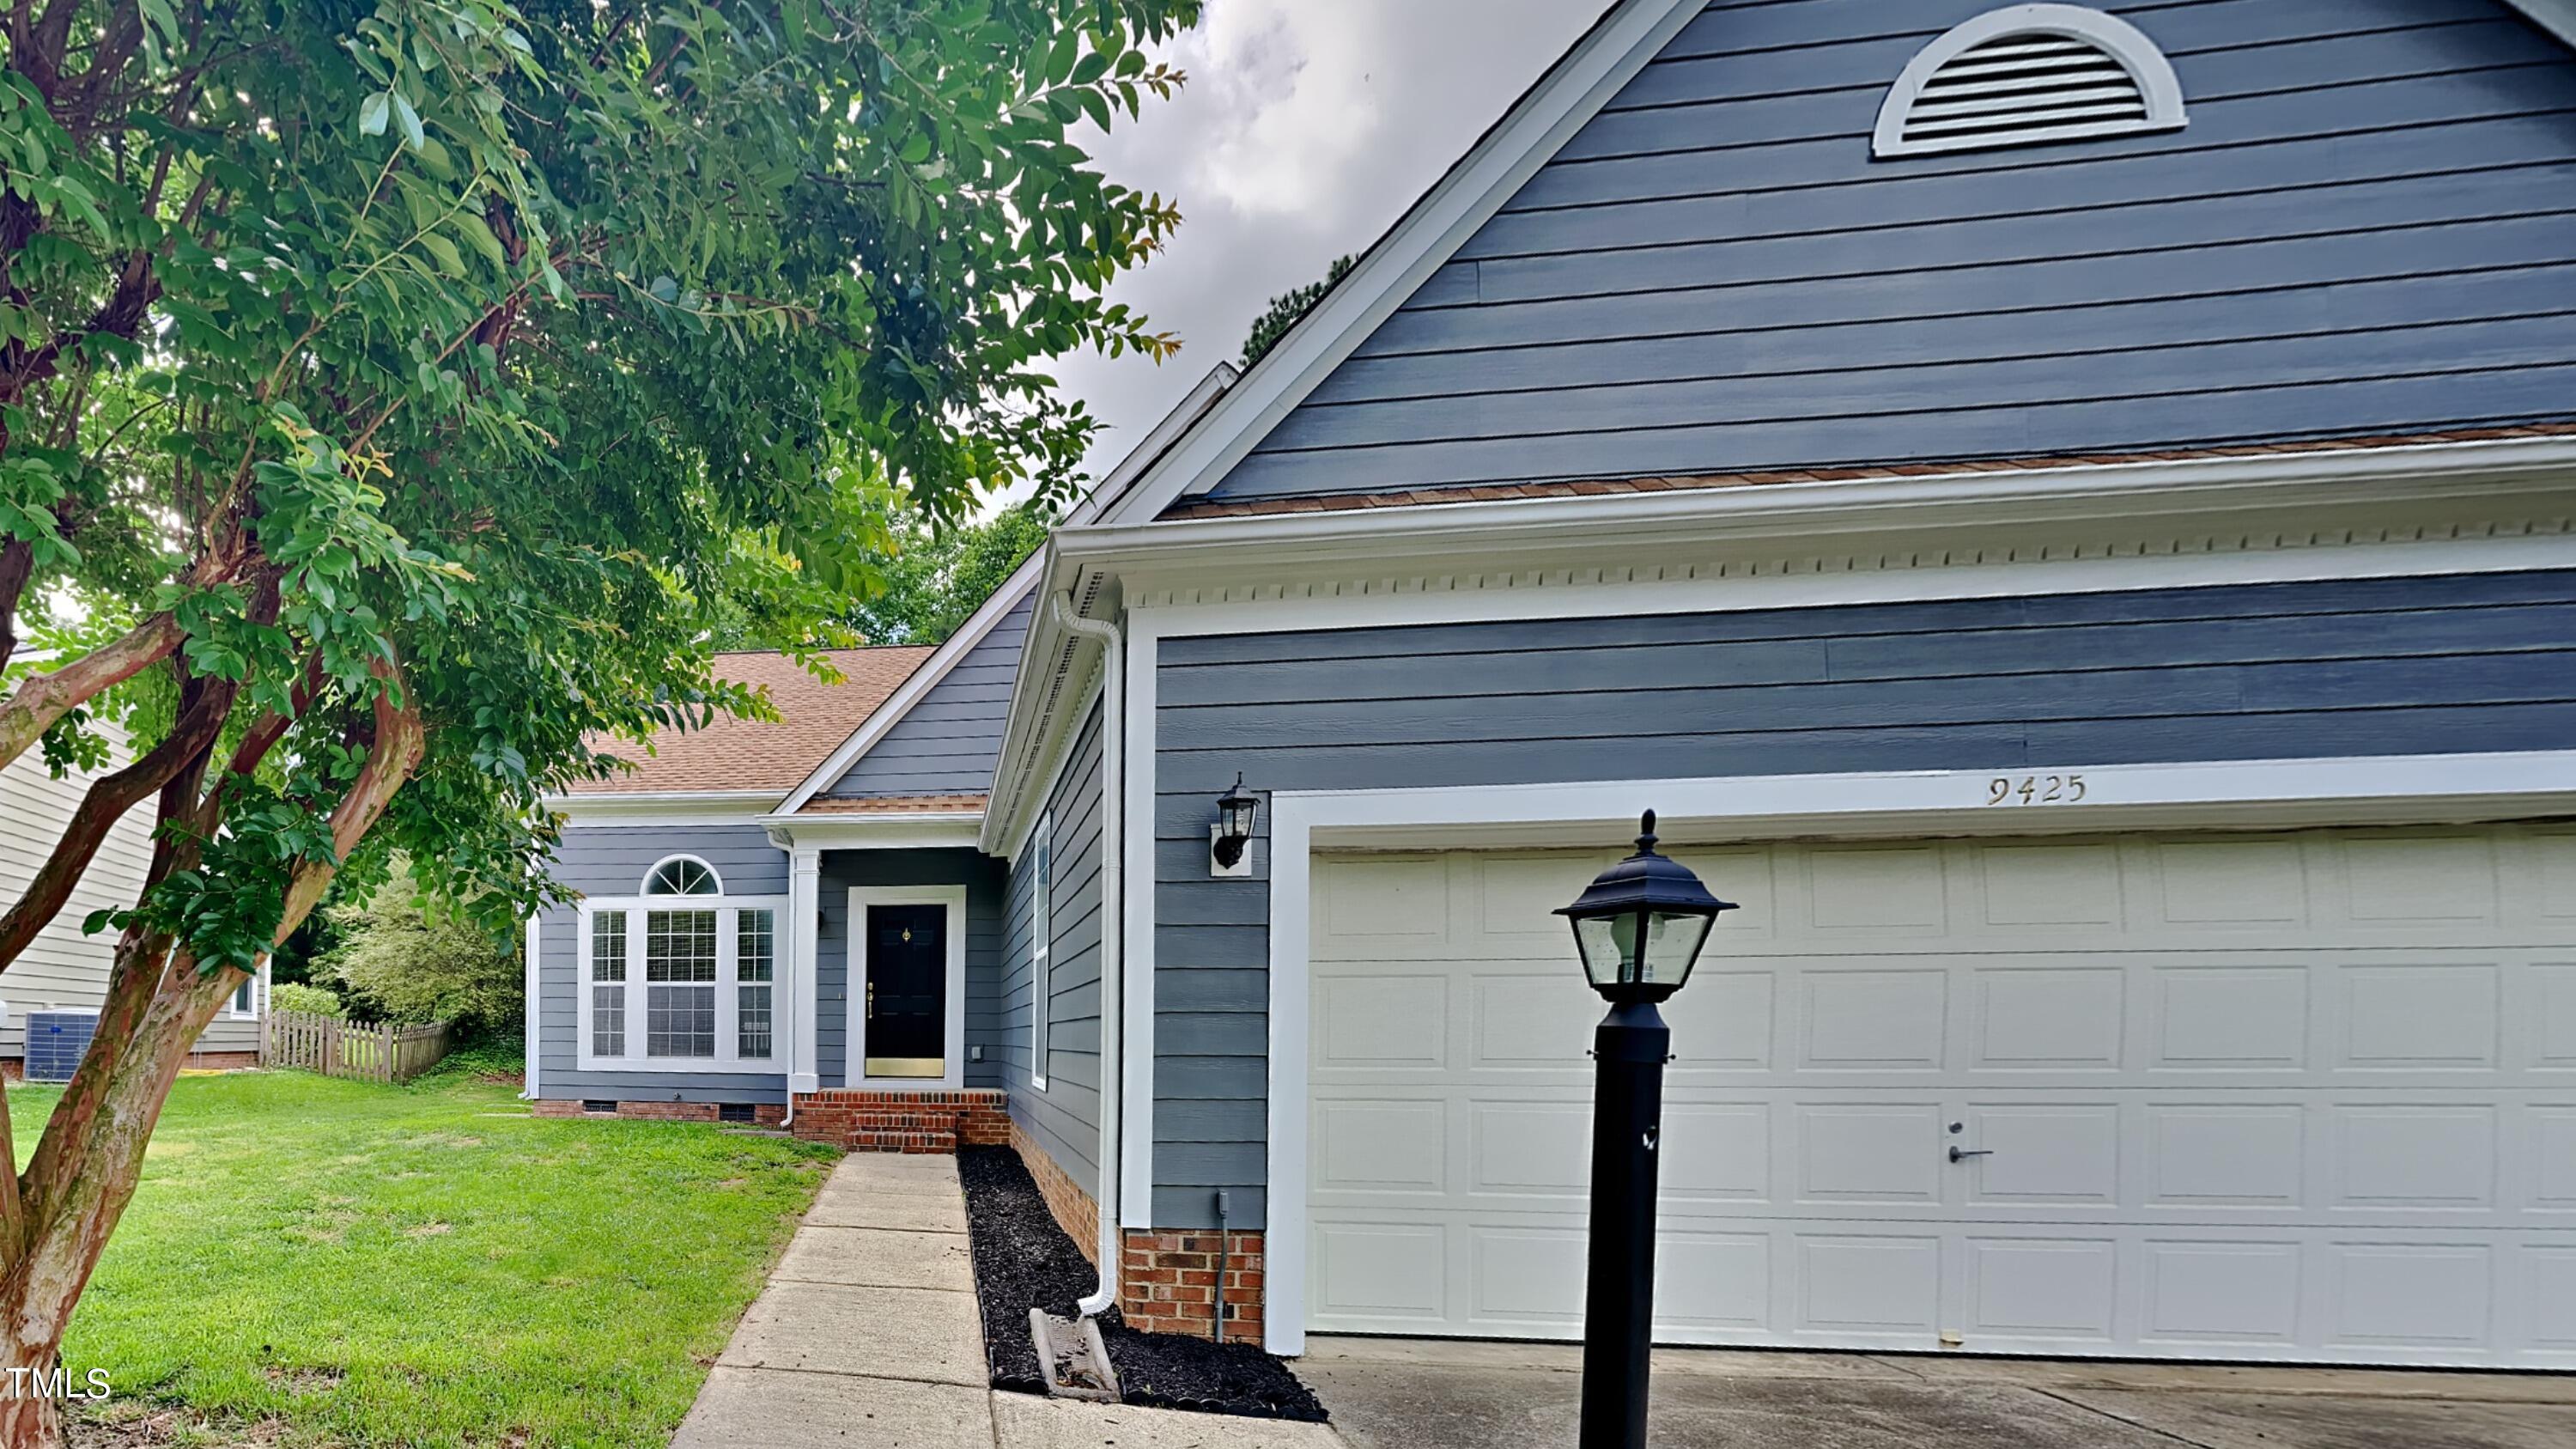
(64, 968)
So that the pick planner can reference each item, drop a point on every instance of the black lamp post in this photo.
(1639, 927)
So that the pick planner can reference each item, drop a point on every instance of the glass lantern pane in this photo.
(1673, 942)
(1600, 954)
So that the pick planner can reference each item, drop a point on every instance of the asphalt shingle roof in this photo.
(739, 754)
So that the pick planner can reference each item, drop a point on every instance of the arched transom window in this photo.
(2027, 74)
(683, 875)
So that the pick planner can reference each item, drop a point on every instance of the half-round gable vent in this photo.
(2027, 74)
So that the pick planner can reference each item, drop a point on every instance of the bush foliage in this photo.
(403, 956)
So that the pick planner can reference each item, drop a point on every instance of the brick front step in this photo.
(877, 1120)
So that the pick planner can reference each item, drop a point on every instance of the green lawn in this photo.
(352, 1264)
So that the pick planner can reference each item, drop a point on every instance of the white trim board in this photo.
(953, 1046)
(1136, 933)
(2558, 17)
(908, 830)
(600, 812)
(2211, 489)
(2200, 794)
(1562, 594)
(924, 678)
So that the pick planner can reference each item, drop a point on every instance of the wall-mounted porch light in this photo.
(1232, 831)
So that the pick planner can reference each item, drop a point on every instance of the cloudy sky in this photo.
(1306, 129)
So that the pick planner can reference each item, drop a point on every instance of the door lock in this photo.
(1962, 1154)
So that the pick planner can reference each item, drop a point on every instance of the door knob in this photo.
(1962, 1154)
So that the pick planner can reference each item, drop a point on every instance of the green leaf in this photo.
(373, 112)
(413, 135)
(449, 259)
(478, 234)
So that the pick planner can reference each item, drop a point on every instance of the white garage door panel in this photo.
(2303, 1097)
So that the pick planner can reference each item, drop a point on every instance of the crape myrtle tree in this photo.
(391, 394)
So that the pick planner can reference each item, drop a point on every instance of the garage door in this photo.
(2297, 1097)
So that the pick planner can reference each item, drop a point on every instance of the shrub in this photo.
(311, 1000)
(405, 957)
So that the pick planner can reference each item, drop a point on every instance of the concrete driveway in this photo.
(1427, 1394)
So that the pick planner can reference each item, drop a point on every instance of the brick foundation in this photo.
(221, 1061)
(877, 1120)
(1168, 1282)
(765, 1114)
(1073, 1209)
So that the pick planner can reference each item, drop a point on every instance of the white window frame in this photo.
(257, 985)
(727, 985)
(1041, 948)
(952, 1076)
(645, 885)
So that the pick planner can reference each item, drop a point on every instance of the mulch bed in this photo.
(1023, 1260)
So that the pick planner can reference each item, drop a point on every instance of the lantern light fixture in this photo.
(1232, 832)
(1640, 925)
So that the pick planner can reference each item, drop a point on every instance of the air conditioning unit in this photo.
(56, 1041)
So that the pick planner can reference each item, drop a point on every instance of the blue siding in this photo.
(611, 861)
(2353, 667)
(947, 743)
(1064, 1119)
(982, 877)
(2365, 229)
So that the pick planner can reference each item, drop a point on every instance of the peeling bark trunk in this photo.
(86, 1166)
(40, 699)
(96, 1137)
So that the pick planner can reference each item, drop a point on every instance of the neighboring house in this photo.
(63, 968)
(2067, 517)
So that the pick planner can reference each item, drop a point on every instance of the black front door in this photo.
(907, 991)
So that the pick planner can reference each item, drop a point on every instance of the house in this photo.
(64, 968)
(2065, 511)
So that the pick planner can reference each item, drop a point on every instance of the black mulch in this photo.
(1022, 1259)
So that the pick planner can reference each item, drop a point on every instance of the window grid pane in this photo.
(752, 1026)
(754, 941)
(608, 1021)
(679, 1021)
(608, 946)
(679, 945)
(681, 878)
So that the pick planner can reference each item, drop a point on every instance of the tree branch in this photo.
(41, 699)
(201, 720)
(17, 565)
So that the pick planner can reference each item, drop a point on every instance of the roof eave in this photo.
(917, 685)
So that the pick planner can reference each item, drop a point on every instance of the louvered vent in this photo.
(2029, 74)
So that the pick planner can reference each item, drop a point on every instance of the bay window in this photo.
(680, 976)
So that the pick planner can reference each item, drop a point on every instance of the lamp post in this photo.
(1639, 928)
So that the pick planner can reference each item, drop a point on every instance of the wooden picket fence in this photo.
(385, 1052)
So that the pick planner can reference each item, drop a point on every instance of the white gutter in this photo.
(1113, 898)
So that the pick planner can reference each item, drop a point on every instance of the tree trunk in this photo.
(30, 1416)
(83, 1177)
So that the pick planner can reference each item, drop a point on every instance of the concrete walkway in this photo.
(868, 1337)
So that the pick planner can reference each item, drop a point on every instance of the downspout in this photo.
(1113, 898)
(535, 1035)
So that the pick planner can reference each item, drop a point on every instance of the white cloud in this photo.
(1287, 96)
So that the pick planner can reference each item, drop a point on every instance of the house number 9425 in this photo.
(2035, 790)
